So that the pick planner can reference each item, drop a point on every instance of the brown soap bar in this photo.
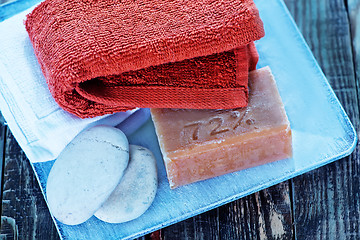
(201, 144)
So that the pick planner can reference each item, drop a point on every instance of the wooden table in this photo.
(321, 204)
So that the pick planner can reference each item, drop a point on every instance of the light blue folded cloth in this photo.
(40, 126)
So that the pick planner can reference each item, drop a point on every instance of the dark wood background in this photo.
(321, 204)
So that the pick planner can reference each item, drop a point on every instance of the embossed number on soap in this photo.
(217, 122)
(214, 126)
(239, 116)
(194, 128)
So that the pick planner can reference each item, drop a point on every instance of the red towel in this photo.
(100, 57)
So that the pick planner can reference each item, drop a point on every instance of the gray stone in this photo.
(86, 173)
(136, 190)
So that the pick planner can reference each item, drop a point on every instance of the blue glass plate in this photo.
(322, 133)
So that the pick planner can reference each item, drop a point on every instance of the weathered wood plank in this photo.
(2, 146)
(326, 201)
(354, 17)
(204, 226)
(263, 215)
(24, 212)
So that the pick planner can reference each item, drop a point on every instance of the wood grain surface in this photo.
(321, 204)
(326, 201)
(24, 211)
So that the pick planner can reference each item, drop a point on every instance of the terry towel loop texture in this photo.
(100, 57)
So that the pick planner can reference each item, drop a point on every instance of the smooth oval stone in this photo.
(86, 173)
(136, 190)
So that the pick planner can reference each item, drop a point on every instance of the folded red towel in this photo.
(99, 57)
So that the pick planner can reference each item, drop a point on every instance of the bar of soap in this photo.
(201, 144)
